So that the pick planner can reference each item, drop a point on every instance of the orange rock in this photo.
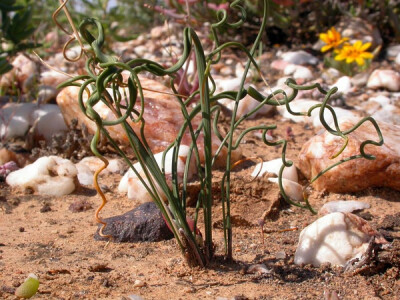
(358, 174)
(8, 155)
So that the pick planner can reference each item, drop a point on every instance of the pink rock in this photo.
(386, 79)
(358, 174)
(162, 114)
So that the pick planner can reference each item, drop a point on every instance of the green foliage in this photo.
(106, 83)
(15, 31)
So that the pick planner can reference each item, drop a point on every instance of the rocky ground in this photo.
(53, 236)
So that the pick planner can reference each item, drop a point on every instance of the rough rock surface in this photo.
(142, 224)
(162, 114)
(49, 175)
(358, 174)
(336, 238)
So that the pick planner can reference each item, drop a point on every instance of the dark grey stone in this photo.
(142, 224)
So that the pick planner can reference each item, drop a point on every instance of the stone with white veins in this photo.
(48, 175)
(336, 238)
(384, 79)
(274, 166)
(358, 174)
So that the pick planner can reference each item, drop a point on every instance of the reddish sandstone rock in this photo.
(162, 114)
(358, 174)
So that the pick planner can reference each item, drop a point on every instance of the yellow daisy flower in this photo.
(355, 52)
(332, 39)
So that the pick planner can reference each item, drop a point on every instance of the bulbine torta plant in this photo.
(105, 82)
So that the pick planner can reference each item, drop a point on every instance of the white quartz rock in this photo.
(274, 166)
(341, 114)
(131, 184)
(381, 99)
(42, 130)
(342, 206)
(335, 238)
(387, 113)
(17, 118)
(89, 165)
(46, 93)
(52, 78)
(387, 79)
(227, 84)
(303, 105)
(246, 105)
(298, 72)
(48, 175)
(291, 188)
(393, 51)
(343, 84)
(299, 58)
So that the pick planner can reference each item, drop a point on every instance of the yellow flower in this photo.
(355, 53)
(332, 39)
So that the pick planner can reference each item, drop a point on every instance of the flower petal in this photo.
(349, 60)
(324, 37)
(331, 36)
(367, 55)
(357, 45)
(339, 57)
(360, 61)
(365, 47)
(326, 48)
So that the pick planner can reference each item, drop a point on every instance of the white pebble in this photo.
(48, 175)
(89, 165)
(135, 189)
(274, 166)
(343, 84)
(335, 238)
(291, 188)
(381, 99)
(387, 79)
(342, 206)
(298, 72)
(299, 58)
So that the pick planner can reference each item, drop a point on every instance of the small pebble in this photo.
(139, 283)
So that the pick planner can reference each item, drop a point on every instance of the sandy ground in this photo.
(41, 235)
